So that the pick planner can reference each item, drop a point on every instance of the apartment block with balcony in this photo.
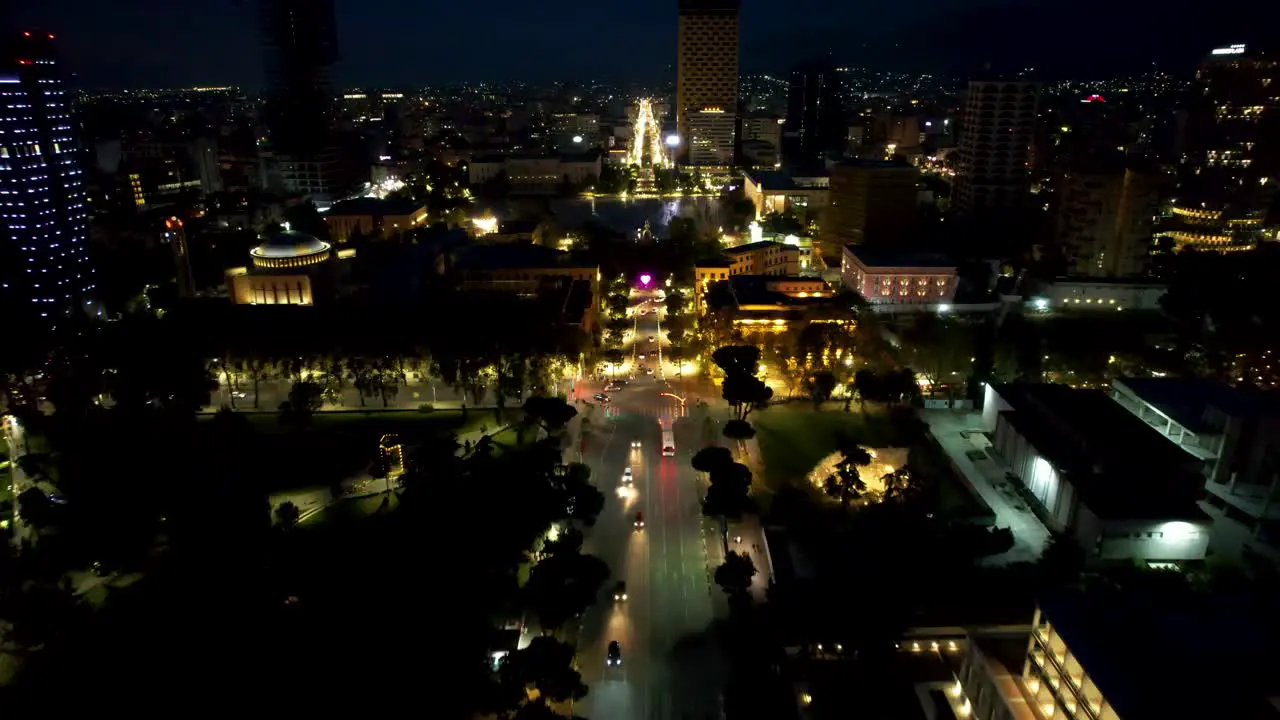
(1107, 655)
(1235, 435)
(764, 258)
(705, 274)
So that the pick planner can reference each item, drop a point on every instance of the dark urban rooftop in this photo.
(1122, 467)
(872, 257)
(1155, 657)
(517, 227)
(875, 164)
(514, 257)
(778, 180)
(1186, 400)
(375, 206)
(751, 247)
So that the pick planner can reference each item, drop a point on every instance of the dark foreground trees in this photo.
(414, 589)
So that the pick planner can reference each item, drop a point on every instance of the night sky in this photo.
(165, 43)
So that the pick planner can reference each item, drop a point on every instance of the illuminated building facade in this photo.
(373, 218)
(763, 258)
(1108, 654)
(43, 220)
(888, 279)
(292, 268)
(1231, 153)
(707, 80)
(996, 136)
(762, 304)
(537, 174)
(772, 191)
(1097, 473)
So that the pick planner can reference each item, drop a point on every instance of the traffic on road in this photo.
(643, 651)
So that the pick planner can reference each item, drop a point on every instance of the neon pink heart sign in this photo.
(646, 279)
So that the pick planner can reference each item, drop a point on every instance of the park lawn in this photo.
(793, 438)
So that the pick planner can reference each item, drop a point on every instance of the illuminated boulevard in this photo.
(670, 668)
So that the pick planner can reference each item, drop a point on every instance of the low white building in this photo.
(1095, 472)
(1099, 294)
(536, 172)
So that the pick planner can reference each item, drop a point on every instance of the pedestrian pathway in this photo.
(986, 475)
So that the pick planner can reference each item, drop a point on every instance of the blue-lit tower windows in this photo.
(44, 269)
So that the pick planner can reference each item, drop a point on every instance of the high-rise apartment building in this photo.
(815, 123)
(1105, 220)
(996, 134)
(870, 201)
(44, 269)
(707, 80)
(1231, 152)
(301, 43)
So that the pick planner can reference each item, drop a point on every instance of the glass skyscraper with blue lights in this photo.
(44, 269)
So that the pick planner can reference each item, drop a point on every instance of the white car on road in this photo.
(627, 477)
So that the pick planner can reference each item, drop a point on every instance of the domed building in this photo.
(292, 268)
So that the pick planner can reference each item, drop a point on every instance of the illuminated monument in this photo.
(292, 268)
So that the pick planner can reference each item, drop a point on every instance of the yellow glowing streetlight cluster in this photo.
(646, 135)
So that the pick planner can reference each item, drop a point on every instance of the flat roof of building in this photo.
(750, 247)
(1184, 400)
(1119, 281)
(515, 227)
(1120, 466)
(875, 164)
(514, 257)
(1154, 656)
(778, 180)
(745, 290)
(872, 257)
(590, 156)
(375, 206)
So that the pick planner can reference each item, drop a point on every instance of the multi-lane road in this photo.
(670, 668)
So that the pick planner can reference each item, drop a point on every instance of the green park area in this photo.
(794, 438)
